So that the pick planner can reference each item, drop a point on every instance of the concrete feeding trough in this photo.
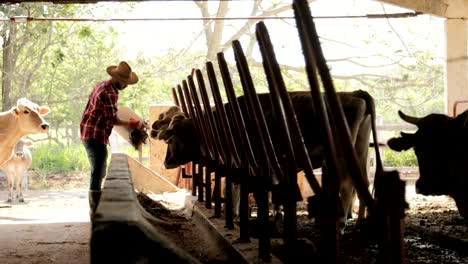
(121, 232)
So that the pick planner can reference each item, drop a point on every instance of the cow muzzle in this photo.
(154, 133)
(169, 165)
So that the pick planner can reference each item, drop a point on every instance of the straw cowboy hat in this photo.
(123, 73)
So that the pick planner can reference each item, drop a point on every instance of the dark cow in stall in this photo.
(358, 106)
(440, 145)
(164, 120)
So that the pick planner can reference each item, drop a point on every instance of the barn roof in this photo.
(71, 1)
(75, 1)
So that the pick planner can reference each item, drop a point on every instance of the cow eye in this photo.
(26, 111)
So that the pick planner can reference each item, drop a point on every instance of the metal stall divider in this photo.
(270, 171)
(290, 132)
(211, 160)
(187, 108)
(330, 184)
(198, 183)
(222, 167)
(246, 154)
(180, 102)
(232, 160)
(386, 212)
(175, 98)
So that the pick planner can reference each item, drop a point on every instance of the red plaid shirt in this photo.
(100, 113)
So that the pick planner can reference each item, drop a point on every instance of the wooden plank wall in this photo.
(158, 148)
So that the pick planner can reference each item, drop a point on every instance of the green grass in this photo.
(54, 158)
(399, 159)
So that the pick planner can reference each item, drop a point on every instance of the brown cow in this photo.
(24, 119)
(359, 109)
(16, 167)
(164, 121)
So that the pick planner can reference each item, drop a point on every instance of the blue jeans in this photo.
(97, 156)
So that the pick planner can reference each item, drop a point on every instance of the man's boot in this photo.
(93, 197)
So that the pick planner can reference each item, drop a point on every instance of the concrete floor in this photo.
(50, 227)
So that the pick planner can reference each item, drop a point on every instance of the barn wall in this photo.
(456, 75)
(158, 148)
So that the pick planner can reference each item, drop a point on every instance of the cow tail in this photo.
(370, 104)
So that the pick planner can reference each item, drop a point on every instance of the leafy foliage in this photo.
(399, 159)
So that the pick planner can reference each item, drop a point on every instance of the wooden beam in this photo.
(433, 7)
(457, 9)
(441, 8)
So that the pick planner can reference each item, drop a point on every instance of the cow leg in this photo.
(346, 196)
(362, 151)
(10, 183)
(277, 209)
(235, 201)
(15, 177)
(360, 129)
(19, 185)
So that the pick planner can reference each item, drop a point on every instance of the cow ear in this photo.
(165, 134)
(15, 110)
(178, 117)
(44, 110)
(400, 143)
(28, 142)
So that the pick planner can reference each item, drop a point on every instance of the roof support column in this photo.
(456, 70)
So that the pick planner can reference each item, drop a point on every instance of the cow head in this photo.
(20, 147)
(30, 117)
(182, 143)
(159, 126)
(178, 132)
(440, 145)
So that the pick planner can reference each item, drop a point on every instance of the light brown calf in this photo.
(15, 169)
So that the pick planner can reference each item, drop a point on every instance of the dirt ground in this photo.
(52, 226)
(434, 233)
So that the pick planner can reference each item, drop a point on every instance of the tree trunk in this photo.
(214, 44)
(8, 66)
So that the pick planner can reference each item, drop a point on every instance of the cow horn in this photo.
(409, 119)
(404, 134)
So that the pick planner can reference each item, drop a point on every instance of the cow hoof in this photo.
(9, 200)
(462, 205)
(342, 225)
(21, 200)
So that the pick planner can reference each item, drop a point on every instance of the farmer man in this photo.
(97, 121)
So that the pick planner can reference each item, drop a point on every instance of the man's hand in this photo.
(138, 124)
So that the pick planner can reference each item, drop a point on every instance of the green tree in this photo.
(55, 63)
(26, 44)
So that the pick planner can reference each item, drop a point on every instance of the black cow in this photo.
(358, 107)
(440, 145)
